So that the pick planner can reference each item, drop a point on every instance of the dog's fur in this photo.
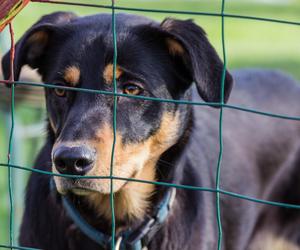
(160, 141)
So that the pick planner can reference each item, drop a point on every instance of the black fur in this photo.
(261, 154)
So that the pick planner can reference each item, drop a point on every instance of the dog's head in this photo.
(153, 60)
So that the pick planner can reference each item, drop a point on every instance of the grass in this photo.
(248, 44)
(3, 184)
(24, 152)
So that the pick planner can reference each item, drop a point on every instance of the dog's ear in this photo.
(188, 42)
(32, 46)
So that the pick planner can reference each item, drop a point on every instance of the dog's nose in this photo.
(73, 160)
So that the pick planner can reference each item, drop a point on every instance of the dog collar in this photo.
(137, 239)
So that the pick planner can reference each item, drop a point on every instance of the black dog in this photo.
(156, 141)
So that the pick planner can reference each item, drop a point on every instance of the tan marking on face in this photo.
(166, 135)
(108, 73)
(136, 160)
(131, 202)
(72, 75)
(132, 199)
(271, 241)
(175, 48)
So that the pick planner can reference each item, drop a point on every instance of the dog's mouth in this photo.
(84, 187)
(81, 191)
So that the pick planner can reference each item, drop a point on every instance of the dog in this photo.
(156, 141)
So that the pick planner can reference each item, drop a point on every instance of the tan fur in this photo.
(72, 75)
(131, 201)
(38, 37)
(136, 160)
(270, 241)
(175, 48)
(108, 73)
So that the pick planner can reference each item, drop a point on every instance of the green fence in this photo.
(222, 15)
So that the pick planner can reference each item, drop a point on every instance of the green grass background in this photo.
(248, 44)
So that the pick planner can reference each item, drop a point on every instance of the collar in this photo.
(137, 239)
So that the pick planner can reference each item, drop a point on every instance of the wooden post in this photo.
(9, 9)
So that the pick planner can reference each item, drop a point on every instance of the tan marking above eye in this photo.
(175, 48)
(108, 73)
(72, 75)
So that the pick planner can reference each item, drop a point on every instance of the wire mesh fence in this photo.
(217, 190)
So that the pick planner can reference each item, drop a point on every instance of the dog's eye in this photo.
(60, 92)
(132, 89)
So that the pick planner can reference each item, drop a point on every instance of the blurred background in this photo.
(249, 43)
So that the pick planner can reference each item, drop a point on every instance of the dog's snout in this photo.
(73, 160)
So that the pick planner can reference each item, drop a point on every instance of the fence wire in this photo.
(217, 190)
